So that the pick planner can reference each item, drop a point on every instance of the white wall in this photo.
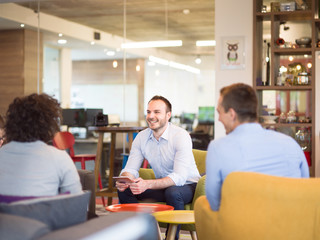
(66, 77)
(232, 18)
(186, 91)
(51, 72)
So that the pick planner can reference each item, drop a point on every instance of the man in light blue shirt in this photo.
(248, 147)
(168, 149)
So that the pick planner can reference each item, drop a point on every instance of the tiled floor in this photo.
(100, 210)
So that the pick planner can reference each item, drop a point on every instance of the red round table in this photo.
(138, 207)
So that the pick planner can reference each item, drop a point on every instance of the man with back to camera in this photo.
(248, 147)
(168, 149)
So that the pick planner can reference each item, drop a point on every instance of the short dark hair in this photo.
(1, 122)
(243, 99)
(31, 118)
(166, 101)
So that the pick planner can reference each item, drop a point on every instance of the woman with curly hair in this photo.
(28, 165)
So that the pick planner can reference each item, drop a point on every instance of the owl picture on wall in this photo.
(232, 55)
(233, 52)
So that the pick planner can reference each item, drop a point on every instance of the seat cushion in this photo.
(57, 212)
(15, 227)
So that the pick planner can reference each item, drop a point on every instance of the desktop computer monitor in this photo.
(73, 117)
(206, 115)
(187, 118)
(91, 113)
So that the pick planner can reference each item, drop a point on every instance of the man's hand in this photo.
(121, 186)
(139, 186)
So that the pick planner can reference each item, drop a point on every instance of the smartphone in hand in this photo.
(123, 179)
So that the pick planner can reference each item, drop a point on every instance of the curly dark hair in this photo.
(31, 118)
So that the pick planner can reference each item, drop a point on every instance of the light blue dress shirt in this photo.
(171, 156)
(251, 148)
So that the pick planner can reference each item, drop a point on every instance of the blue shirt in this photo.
(251, 148)
(171, 156)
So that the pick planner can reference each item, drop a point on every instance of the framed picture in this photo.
(233, 53)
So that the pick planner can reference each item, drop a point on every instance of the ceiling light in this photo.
(158, 60)
(22, 25)
(115, 64)
(62, 41)
(198, 60)
(110, 53)
(174, 65)
(138, 68)
(60, 34)
(186, 11)
(151, 44)
(206, 43)
(151, 63)
(92, 43)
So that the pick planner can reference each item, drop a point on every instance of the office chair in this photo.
(65, 141)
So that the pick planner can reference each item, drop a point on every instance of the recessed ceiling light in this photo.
(115, 64)
(62, 41)
(92, 43)
(186, 11)
(110, 53)
(22, 25)
(198, 60)
(60, 34)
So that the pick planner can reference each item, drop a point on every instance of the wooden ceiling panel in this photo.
(145, 19)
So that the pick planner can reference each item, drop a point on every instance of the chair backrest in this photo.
(258, 206)
(200, 158)
(64, 141)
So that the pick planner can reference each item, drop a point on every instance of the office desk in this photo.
(110, 191)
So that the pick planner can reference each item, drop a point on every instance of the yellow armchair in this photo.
(258, 206)
(200, 158)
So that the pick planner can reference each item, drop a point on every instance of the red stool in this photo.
(65, 141)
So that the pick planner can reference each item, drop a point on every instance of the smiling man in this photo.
(168, 149)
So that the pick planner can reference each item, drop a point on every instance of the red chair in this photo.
(65, 141)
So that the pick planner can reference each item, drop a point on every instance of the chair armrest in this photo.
(87, 181)
(146, 173)
(206, 220)
(200, 190)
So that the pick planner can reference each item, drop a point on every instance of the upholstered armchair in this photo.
(200, 158)
(258, 206)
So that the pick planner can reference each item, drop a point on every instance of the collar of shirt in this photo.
(165, 134)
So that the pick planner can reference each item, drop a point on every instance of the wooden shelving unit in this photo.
(275, 19)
